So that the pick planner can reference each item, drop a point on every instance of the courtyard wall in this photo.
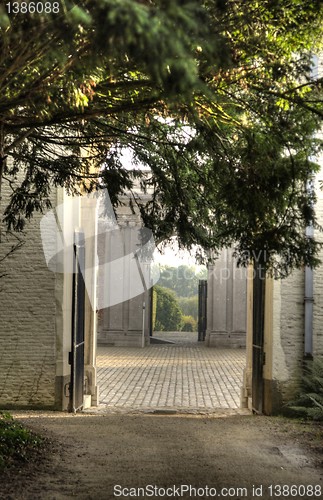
(28, 324)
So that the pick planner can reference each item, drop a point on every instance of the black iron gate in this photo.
(77, 352)
(258, 360)
(202, 309)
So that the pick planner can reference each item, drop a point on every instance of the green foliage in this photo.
(103, 63)
(154, 308)
(16, 442)
(189, 324)
(309, 403)
(183, 280)
(248, 191)
(216, 98)
(189, 306)
(169, 316)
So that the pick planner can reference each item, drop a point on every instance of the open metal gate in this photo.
(202, 309)
(77, 352)
(258, 358)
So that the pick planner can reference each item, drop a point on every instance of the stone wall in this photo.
(285, 347)
(28, 322)
(285, 350)
(36, 311)
(318, 275)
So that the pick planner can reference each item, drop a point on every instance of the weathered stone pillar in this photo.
(246, 391)
(74, 212)
(63, 297)
(227, 302)
(122, 286)
(89, 226)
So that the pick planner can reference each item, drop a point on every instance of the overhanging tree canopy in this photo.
(216, 97)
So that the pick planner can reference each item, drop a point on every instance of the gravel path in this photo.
(95, 457)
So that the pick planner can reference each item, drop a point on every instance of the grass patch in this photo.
(17, 443)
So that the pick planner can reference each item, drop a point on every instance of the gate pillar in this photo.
(226, 303)
(89, 218)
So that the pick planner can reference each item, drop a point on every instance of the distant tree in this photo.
(202, 273)
(183, 280)
(189, 324)
(189, 306)
(168, 315)
(154, 308)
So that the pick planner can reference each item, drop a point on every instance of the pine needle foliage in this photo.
(309, 403)
(218, 99)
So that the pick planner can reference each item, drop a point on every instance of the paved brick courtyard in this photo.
(182, 377)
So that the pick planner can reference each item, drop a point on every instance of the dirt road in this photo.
(170, 456)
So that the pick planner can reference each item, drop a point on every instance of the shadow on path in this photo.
(91, 455)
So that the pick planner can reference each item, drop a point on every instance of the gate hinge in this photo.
(70, 358)
(263, 358)
(67, 390)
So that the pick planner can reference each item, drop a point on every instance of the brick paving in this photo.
(183, 377)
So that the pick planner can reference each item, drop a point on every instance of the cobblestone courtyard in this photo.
(181, 377)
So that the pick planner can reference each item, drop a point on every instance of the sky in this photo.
(172, 256)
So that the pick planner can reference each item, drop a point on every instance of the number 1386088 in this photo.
(296, 491)
(33, 7)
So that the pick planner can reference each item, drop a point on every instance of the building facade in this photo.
(37, 304)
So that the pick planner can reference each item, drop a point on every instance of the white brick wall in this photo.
(28, 325)
(318, 274)
(36, 314)
(288, 317)
(288, 333)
